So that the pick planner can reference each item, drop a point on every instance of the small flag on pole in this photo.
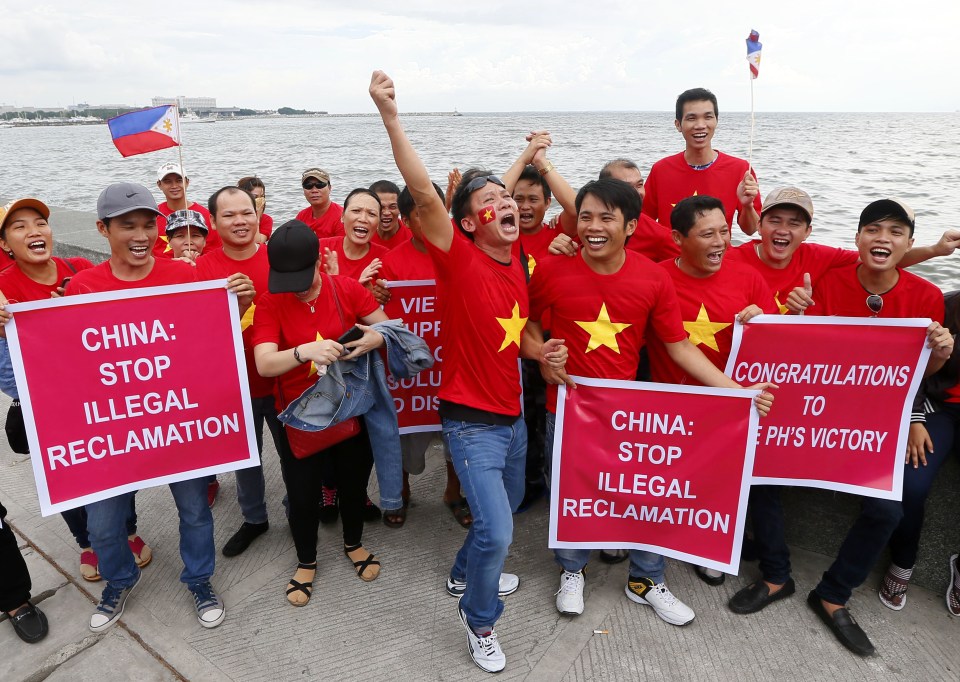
(753, 53)
(147, 130)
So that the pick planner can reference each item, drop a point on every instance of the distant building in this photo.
(187, 103)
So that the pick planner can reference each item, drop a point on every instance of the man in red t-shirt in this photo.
(874, 287)
(482, 293)
(234, 218)
(127, 217)
(391, 232)
(322, 215)
(700, 169)
(174, 184)
(605, 303)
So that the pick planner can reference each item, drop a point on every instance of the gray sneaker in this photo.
(508, 584)
(210, 611)
(111, 606)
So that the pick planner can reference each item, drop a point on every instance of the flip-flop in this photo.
(461, 511)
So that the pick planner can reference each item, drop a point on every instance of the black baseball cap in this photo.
(293, 251)
(888, 208)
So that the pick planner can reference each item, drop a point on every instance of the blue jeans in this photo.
(76, 520)
(107, 526)
(860, 549)
(251, 488)
(490, 461)
(766, 514)
(643, 564)
(942, 427)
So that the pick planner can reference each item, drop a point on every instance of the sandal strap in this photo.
(306, 588)
(308, 567)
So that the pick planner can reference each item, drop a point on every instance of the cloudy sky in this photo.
(819, 55)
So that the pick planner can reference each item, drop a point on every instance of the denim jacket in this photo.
(357, 387)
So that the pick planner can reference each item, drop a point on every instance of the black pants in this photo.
(14, 577)
(351, 461)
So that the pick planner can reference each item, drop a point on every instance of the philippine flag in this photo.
(753, 53)
(147, 130)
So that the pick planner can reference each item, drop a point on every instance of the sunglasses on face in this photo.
(875, 304)
(318, 184)
(482, 180)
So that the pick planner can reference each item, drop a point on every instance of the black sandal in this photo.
(395, 518)
(362, 566)
(306, 588)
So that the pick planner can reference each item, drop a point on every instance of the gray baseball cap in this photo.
(124, 197)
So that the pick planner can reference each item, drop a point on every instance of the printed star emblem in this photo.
(512, 327)
(167, 125)
(693, 195)
(784, 310)
(488, 215)
(166, 240)
(531, 264)
(247, 318)
(313, 365)
(602, 331)
(702, 330)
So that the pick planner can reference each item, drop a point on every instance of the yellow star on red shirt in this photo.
(512, 327)
(166, 240)
(531, 264)
(692, 195)
(602, 331)
(247, 318)
(784, 310)
(702, 330)
(313, 365)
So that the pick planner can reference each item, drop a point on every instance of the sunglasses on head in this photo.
(316, 184)
(482, 180)
(875, 304)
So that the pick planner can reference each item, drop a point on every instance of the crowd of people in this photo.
(634, 279)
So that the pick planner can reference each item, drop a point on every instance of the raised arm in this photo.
(561, 190)
(434, 220)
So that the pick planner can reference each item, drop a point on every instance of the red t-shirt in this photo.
(817, 259)
(101, 277)
(536, 245)
(653, 240)
(672, 179)
(330, 224)
(708, 306)
(266, 225)
(349, 267)
(406, 262)
(604, 319)
(839, 292)
(287, 321)
(162, 249)
(402, 236)
(483, 308)
(217, 265)
(18, 288)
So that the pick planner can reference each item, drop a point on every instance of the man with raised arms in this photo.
(127, 218)
(783, 256)
(874, 287)
(701, 169)
(606, 302)
(483, 301)
(710, 296)
(233, 212)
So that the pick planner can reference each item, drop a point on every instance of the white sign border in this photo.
(733, 566)
(896, 488)
(23, 389)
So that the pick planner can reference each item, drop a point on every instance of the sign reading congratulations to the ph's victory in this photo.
(842, 411)
(415, 302)
(658, 467)
(130, 389)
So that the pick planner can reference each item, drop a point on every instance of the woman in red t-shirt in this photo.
(294, 329)
(37, 275)
(356, 256)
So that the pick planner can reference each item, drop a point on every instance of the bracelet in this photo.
(546, 169)
(296, 355)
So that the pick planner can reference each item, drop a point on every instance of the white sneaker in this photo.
(570, 594)
(667, 606)
(485, 651)
(509, 583)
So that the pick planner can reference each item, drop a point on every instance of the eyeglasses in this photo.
(875, 303)
(482, 180)
(319, 184)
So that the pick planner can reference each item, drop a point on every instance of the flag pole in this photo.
(753, 122)
(186, 203)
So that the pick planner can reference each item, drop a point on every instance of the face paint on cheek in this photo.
(487, 214)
